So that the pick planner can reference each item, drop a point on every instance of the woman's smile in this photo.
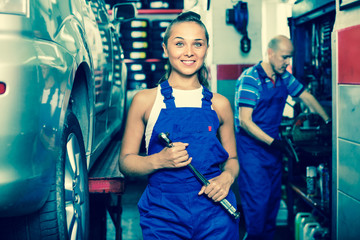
(188, 62)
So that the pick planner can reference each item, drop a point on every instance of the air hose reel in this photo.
(239, 17)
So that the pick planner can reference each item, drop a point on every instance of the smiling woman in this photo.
(186, 49)
(191, 41)
(175, 205)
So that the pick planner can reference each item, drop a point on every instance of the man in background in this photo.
(260, 97)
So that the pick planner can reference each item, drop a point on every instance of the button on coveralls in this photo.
(170, 207)
(261, 168)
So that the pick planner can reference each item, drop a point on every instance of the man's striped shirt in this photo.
(249, 87)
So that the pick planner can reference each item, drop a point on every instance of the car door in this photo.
(103, 73)
(118, 84)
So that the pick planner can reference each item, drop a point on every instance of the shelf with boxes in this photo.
(308, 192)
(308, 176)
(310, 179)
(141, 39)
(160, 11)
(299, 186)
(151, 4)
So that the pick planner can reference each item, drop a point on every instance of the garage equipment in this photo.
(239, 17)
(164, 137)
(106, 186)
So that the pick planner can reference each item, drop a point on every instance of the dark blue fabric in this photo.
(166, 91)
(249, 86)
(170, 207)
(268, 112)
(260, 165)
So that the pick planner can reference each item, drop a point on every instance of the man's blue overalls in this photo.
(170, 207)
(260, 166)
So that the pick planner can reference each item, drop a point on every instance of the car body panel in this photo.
(30, 133)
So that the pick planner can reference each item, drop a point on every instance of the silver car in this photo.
(62, 99)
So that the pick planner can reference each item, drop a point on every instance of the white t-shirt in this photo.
(183, 98)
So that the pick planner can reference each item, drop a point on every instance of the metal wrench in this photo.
(225, 203)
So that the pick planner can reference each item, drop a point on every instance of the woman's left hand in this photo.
(219, 187)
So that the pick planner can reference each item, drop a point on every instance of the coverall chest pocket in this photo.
(201, 137)
(192, 131)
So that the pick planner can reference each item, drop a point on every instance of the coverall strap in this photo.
(206, 100)
(166, 91)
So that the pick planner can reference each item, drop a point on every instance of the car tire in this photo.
(72, 190)
(65, 214)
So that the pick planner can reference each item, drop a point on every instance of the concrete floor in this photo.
(130, 217)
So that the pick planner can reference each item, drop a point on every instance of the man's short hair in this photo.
(274, 42)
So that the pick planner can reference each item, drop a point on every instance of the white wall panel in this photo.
(348, 218)
(226, 39)
(349, 112)
(348, 168)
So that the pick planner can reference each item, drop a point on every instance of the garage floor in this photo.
(130, 216)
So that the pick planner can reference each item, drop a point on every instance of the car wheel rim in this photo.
(74, 189)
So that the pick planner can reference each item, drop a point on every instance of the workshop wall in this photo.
(225, 51)
(266, 19)
(226, 39)
(275, 14)
(346, 112)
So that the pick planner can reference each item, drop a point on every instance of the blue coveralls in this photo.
(170, 207)
(260, 165)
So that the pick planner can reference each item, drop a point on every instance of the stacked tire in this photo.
(158, 28)
(141, 40)
(151, 4)
(158, 70)
(156, 51)
(134, 40)
(139, 4)
(165, 4)
(138, 74)
(156, 4)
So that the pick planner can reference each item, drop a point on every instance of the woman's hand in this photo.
(219, 187)
(174, 157)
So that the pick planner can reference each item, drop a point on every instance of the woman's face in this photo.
(186, 48)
